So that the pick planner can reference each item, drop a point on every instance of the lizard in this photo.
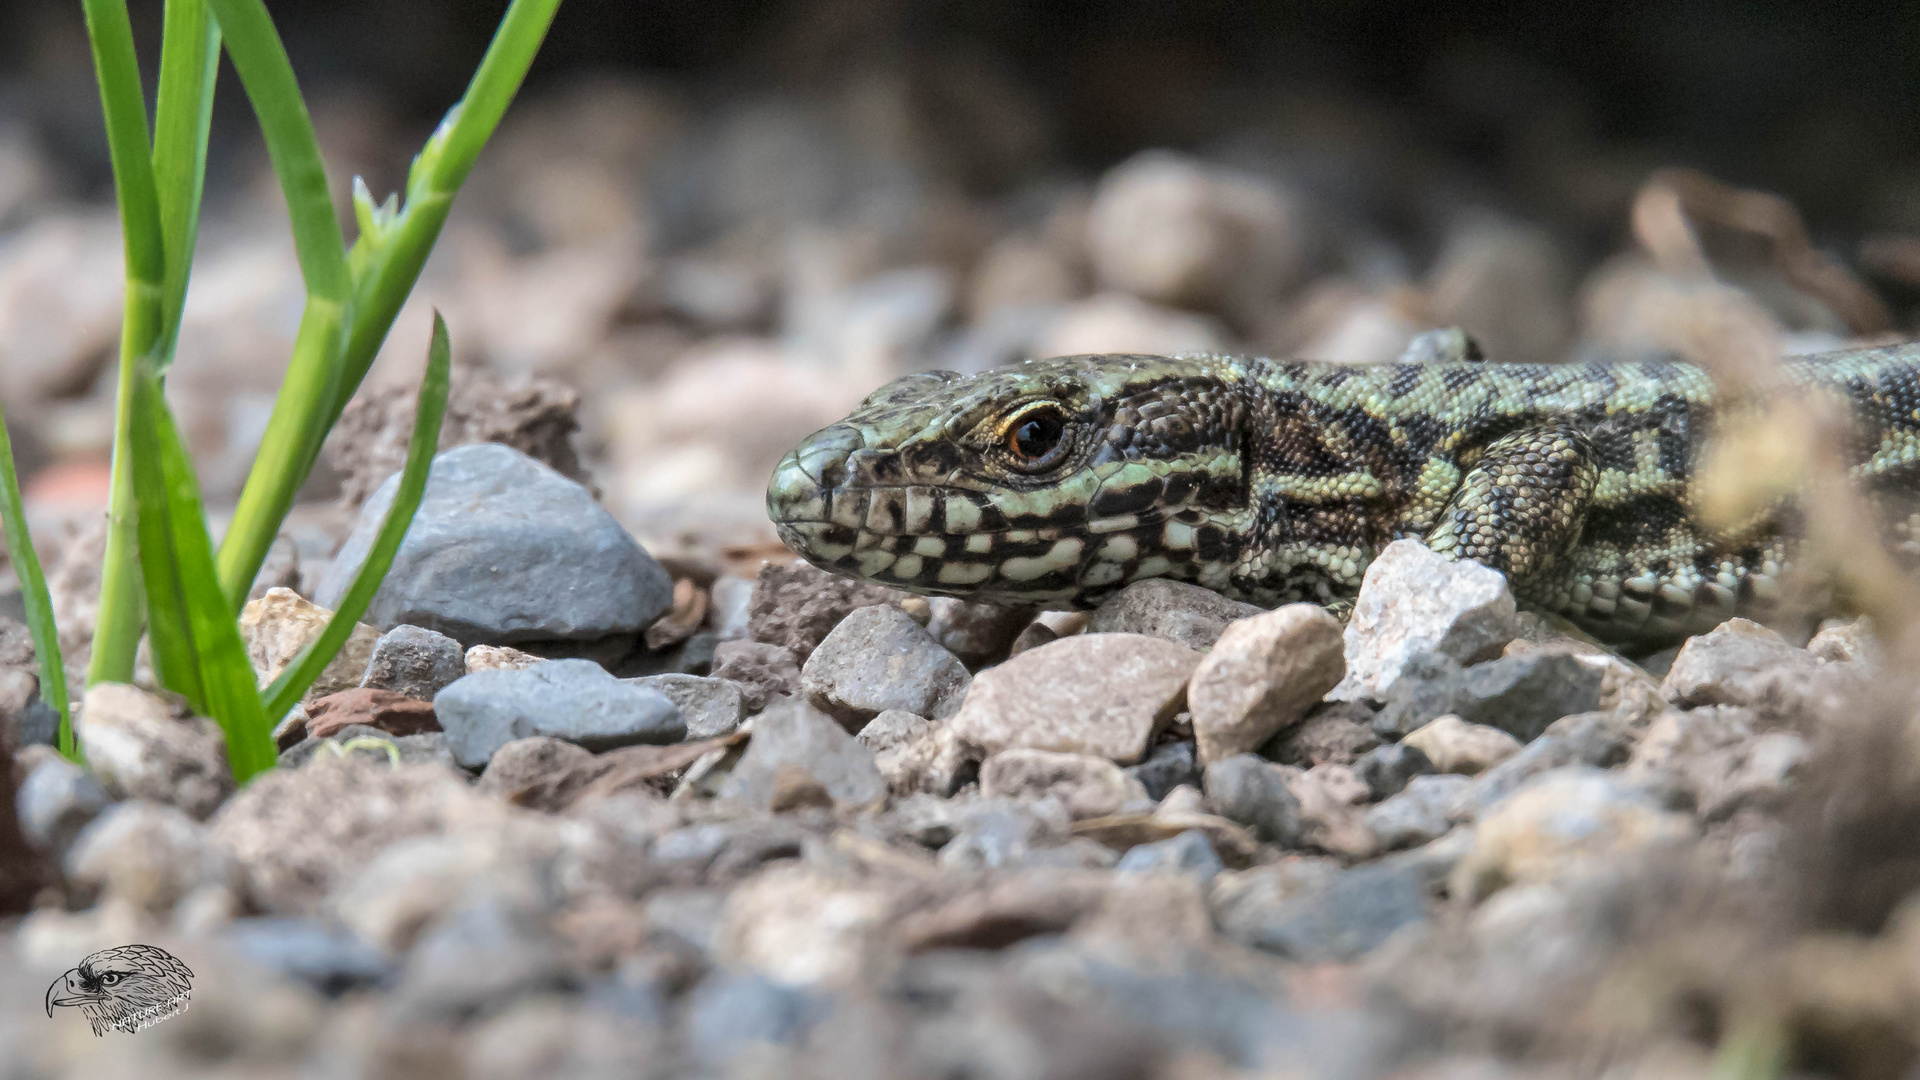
(1056, 482)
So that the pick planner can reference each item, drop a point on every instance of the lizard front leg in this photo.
(1521, 506)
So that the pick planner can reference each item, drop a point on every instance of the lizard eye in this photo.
(1035, 434)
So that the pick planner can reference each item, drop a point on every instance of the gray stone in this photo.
(976, 633)
(1190, 853)
(731, 1013)
(798, 605)
(19, 687)
(55, 801)
(1330, 819)
(761, 671)
(140, 749)
(1719, 759)
(1102, 694)
(1174, 610)
(414, 661)
(38, 724)
(892, 729)
(487, 952)
(1562, 822)
(1413, 601)
(795, 744)
(904, 749)
(1262, 676)
(1167, 767)
(877, 659)
(541, 773)
(1386, 769)
(371, 744)
(147, 854)
(1419, 814)
(710, 707)
(1338, 732)
(772, 923)
(324, 957)
(1326, 916)
(1000, 834)
(1048, 626)
(505, 550)
(1744, 663)
(1250, 790)
(1087, 786)
(1520, 695)
(575, 700)
(297, 833)
(1594, 739)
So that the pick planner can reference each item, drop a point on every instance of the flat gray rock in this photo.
(1102, 694)
(575, 700)
(505, 550)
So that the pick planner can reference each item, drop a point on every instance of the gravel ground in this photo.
(609, 786)
(1189, 840)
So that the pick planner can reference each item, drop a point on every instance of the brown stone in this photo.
(391, 712)
(1262, 676)
(281, 623)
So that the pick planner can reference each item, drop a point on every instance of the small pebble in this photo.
(1455, 746)
(414, 661)
(1189, 853)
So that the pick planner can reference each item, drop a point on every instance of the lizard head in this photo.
(1051, 483)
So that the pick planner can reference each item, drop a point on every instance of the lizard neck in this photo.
(1325, 489)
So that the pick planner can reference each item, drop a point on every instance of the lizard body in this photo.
(1057, 482)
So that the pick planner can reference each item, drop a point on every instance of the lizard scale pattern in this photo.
(1057, 482)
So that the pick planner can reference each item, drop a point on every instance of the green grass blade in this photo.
(125, 108)
(189, 63)
(431, 408)
(170, 627)
(254, 46)
(33, 588)
(302, 412)
(386, 262)
(117, 634)
(196, 642)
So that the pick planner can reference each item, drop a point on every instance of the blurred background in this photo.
(708, 228)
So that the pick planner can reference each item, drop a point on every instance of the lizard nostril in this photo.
(824, 456)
